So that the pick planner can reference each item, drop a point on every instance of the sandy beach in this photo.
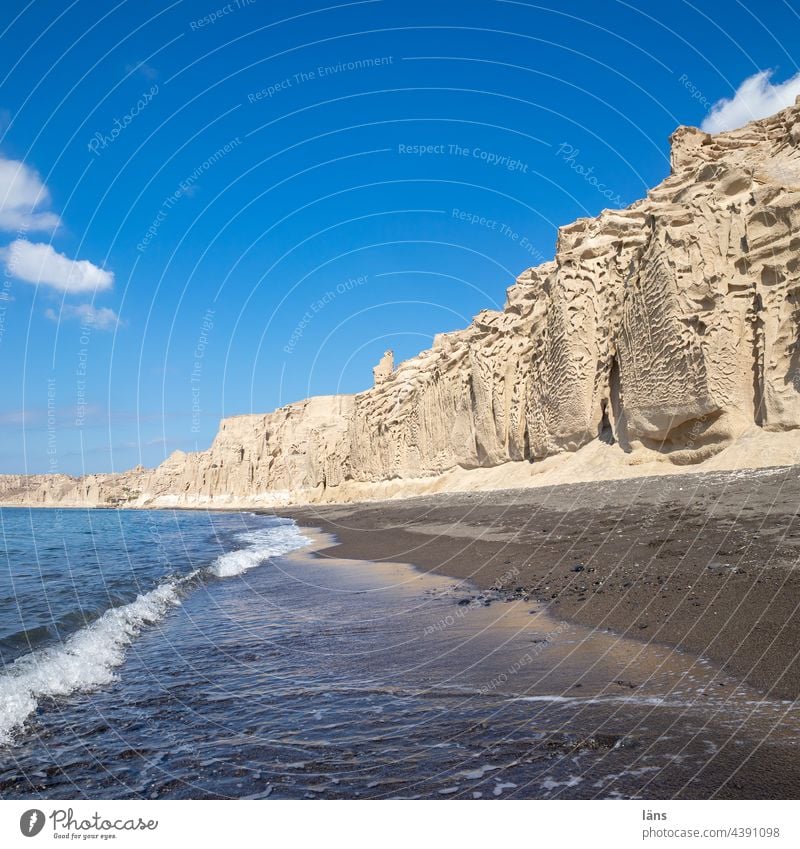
(706, 563)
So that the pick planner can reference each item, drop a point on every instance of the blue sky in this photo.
(211, 209)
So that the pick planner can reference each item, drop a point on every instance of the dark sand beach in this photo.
(612, 640)
(703, 563)
(707, 563)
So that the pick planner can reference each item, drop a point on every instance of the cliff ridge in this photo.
(662, 337)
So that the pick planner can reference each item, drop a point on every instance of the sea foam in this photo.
(87, 659)
(262, 544)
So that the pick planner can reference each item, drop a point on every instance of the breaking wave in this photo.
(269, 542)
(88, 658)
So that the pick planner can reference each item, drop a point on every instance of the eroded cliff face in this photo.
(665, 331)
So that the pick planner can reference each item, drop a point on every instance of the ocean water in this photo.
(180, 654)
(77, 588)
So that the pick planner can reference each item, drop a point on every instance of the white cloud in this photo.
(100, 318)
(22, 196)
(40, 264)
(17, 417)
(143, 68)
(755, 98)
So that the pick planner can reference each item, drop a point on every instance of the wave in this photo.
(87, 659)
(265, 543)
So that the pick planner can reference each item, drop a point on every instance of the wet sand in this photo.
(705, 563)
(317, 677)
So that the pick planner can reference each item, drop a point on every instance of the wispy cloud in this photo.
(755, 98)
(147, 71)
(17, 417)
(24, 199)
(100, 318)
(40, 264)
(37, 417)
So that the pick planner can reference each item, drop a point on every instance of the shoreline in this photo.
(331, 647)
(699, 561)
(703, 564)
(614, 684)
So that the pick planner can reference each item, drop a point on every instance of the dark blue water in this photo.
(77, 587)
(189, 655)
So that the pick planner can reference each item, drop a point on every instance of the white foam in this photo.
(545, 699)
(262, 544)
(85, 661)
(88, 658)
(476, 774)
(649, 701)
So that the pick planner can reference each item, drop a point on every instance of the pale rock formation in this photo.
(658, 337)
(384, 368)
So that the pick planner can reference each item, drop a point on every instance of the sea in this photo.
(204, 654)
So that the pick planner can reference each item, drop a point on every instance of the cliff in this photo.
(662, 337)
